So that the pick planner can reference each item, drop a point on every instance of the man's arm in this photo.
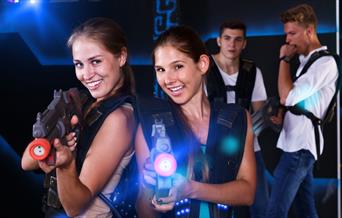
(257, 105)
(285, 83)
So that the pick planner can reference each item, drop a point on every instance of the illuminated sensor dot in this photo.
(229, 145)
(39, 150)
(165, 164)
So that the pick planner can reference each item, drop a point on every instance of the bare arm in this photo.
(285, 83)
(144, 206)
(257, 105)
(27, 162)
(109, 146)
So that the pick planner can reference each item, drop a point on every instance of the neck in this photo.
(198, 108)
(228, 65)
(313, 45)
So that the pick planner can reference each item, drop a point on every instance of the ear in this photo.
(310, 30)
(204, 63)
(218, 40)
(244, 44)
(123, 56)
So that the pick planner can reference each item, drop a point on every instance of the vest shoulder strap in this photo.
(94, 122)
(228, 139)
(245, 83)
(316, 55)
(215, 85)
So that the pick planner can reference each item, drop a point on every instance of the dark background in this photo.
(35, 61)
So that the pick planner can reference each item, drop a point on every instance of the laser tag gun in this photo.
(163, 161)
(261, 118)
(54, 122)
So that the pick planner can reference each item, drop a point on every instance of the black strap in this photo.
(243, 88)
(245, 83)
(299, 110)
(316, 122)
(230, 88)
(311, 60)
(110, 205)
(215, 85)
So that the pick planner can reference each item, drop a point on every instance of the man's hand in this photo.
(287, 50)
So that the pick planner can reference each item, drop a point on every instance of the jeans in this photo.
(258, 209)
(293, 176)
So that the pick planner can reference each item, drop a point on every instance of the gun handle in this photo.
(163, 186)
(39, 148)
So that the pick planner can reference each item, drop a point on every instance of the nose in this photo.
(288, 39)
(170, 77)
(231, 44)
(88, 72)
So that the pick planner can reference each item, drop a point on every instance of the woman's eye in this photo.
(159, 69)
(78, 65)
(178, 66)
(95, 62)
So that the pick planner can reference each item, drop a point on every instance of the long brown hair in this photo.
(111, 36)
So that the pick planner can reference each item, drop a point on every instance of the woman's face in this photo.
(178, 75)
(97, 69)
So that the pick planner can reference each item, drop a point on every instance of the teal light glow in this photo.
(229, 145)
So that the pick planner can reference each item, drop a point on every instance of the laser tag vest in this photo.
(123, 198)
(299, 110)
(243, 88)
(224, 149)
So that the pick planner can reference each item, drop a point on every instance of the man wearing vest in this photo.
(236, 80)
(312, 91)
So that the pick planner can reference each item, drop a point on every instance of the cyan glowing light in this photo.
(229, 145)
(271, 30)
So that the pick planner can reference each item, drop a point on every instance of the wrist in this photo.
(189, 189)
(285, 58)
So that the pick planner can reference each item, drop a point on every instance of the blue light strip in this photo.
(26, 20)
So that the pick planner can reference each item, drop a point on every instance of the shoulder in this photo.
(229, 111)
(324, 65)
(122, 114)
(248, 65)
(246, 62)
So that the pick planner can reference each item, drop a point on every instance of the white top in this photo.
(98, 207)
(258, 94)
(316, 87)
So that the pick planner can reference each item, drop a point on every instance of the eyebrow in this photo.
(173, 62)
(94, 57)
(89, 59)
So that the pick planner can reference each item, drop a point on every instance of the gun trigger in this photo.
(78, 133)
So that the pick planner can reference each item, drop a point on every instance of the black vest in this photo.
(126, 191)
(243, 88)
(225, 146)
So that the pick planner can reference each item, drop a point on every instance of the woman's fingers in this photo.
(162, 204)
(149, 177)
(74, 120)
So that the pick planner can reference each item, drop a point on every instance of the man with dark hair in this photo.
(306, 96)
(236, 80)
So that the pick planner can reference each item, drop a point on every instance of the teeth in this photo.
(93, 84)
(175, 89)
